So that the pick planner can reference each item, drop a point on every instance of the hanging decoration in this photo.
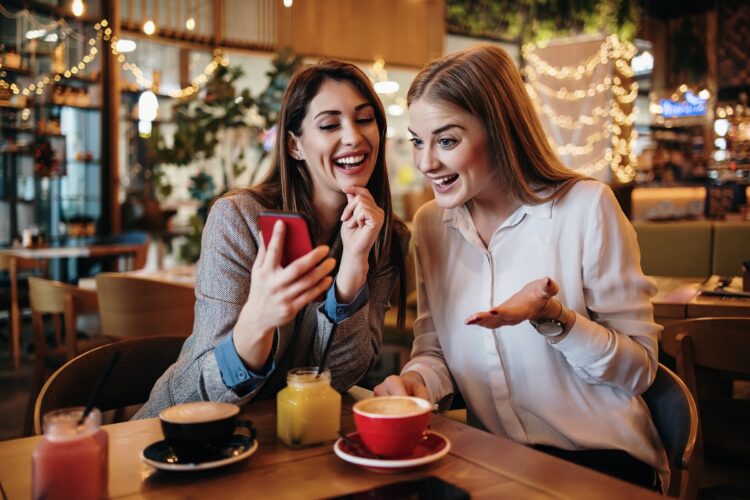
(103, 31)
(614, 120)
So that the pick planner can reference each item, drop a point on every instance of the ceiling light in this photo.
(149, 27)
(395, 110)
(190, 24)
(148, 105)
(125, 45)
(721, 127)
(78, 8)
(288, 3)
(387, 87)
(32, 34)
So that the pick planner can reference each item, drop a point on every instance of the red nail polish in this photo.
(493, 312)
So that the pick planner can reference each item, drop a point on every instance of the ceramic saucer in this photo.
(433, 446)
(161, 456)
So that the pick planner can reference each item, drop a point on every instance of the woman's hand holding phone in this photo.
(277, 294)
(361, 222)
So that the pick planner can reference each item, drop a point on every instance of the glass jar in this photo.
(72, 460)
(308, 409)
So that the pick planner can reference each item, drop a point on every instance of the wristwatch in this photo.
(550, 327)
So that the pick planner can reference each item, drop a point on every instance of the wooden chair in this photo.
(64, 303)
(675, 417)
(131, 306)
(710, 354)
(15, 297)
(142, 361)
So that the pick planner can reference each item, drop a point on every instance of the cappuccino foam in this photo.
(198, 412)
(382, 406)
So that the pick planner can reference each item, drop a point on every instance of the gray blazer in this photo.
(228, 250)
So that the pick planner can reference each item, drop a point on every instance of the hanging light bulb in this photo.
(288, 3)
(190, 24)
(78, 8)
(149, 27)
(148, 106)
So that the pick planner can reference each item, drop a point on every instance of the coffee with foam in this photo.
(391, 406)
(198, 412)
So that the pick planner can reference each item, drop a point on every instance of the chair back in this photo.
(138, 307)
(710, 354)
(675, 416)
(717, 343)
(62, 301)
(142, 361)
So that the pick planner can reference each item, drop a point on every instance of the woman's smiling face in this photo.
(451, 150)
(339, 138)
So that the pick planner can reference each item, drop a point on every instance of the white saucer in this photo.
(432, 447)
(160, 455)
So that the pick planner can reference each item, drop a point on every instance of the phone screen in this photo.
(426, 488)
(297, 242)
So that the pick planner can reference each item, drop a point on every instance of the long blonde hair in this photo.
(484, 81)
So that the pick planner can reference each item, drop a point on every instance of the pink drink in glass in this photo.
(72, 460)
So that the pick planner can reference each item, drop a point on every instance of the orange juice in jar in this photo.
(72, 460)
(308, 409)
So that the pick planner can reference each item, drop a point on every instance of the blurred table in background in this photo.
(681, 298)
(72, 249)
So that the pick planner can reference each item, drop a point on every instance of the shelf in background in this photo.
(4, 105)
(12, 128)
(84, 162)
(53, 105)
(139, 92)
(18, 71)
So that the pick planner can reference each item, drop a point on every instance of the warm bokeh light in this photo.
(190, 24)
(78, 8)
(149, 27)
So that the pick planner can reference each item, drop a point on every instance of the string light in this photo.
(619, 112)
(104, 32)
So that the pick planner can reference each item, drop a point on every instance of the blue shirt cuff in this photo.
(233, 371)
(339, 312)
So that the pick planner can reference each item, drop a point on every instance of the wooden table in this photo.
(670, 302)
(47, 253)
(486, 466)
(680, 298)
(178, 275)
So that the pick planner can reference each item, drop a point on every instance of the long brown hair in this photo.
(288, 185)
(484, 81)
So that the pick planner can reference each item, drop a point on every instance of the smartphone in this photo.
(426, 488)
(297, 241)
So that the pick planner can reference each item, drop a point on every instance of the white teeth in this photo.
(350, 160)
(442, 181)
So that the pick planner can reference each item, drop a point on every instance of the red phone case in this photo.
(297, 241)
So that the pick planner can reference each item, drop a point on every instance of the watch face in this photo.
(549, 327)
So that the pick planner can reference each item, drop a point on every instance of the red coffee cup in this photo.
(391, 426)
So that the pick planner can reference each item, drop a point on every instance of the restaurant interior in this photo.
(122, 121)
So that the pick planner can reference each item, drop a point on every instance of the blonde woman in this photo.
(531, 299)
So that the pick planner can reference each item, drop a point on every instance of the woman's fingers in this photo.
(261, 254)
(303, 265)
(276, 245)
(312, 293)
(310, 279)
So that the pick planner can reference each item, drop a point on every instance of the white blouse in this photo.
(580, 393)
